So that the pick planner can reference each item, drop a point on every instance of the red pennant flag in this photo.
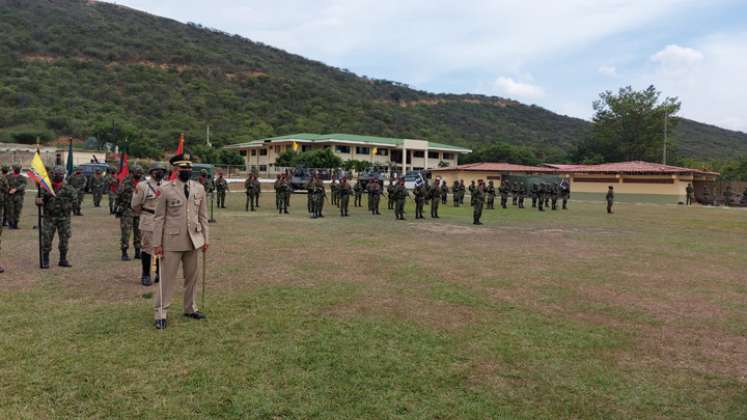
(124, 169)
(179, 151)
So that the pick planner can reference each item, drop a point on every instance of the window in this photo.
(382, 152)
(448, 156)
(432, 155)
(305, 148)
(418, 154)
(342, 149)
(262, 168)
(362, 151)
(254, 152)
(263, 152)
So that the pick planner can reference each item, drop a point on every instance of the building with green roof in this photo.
(401, 155)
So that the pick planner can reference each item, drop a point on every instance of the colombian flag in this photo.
(38, 173)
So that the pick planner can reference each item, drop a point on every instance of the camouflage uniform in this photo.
(554, 193)
(128, 222)
(444, 192)
(98, 185)
(491, 195)
(689, 191)
(250, 192)
(344, 190)
(610, 199)
(419, 192)
(221, 186)
(461, 191)
(257, 191)
(400, 194)
(565, 193)
(333, 191)
(374, 193)
(78, 181)
(390, 195)
(455, 193)
(316, 188)
(3, 197)
(535, 195)
(522, 191)
(541, 197)
(472, 188)
(56, 210)
(283, 191)
(504, 190)
(434, 193)
(111, 190)
(358, 189)
(276, 187)
(477, 202)
(16, 191)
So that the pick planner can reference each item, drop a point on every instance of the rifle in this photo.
(212, 200)
(40, 223)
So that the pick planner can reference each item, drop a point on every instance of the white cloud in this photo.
(509, 87)
(709, 79)
(609, 71)
(677, 56)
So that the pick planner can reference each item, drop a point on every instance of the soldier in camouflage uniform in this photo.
(522, 191)
(344, 190)
(374, 193)
(4, 187)
(690, 194)
(472, 188)
(490, 191)
(250, 192)
(462, 191)
(434, 193)
(504, 190)
(541, 197)
(333, 191)
(221, 186)
(4, 197)
(548, 192)
(444, 192)
(478, 199)
(78, 181)
(610, 199)
(420, 191)
(257, 190)
(554, 193)
(316, 188)
(535, 194)
(284, 192)
(98, 185)
(514, 193)
(111, 188)
(358, 189)
(455, 193)
(56, 210)
(128, 222)
(400, 195)
(390, 194)
(276, 187)
(16, 191)
(565, 193)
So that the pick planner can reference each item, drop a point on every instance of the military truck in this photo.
(372, 172)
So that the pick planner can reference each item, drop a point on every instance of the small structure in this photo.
(488, 171)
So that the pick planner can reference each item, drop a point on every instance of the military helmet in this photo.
(6, 168)
(203, 171)
(16, 166)
(137, 169)
(157, 166)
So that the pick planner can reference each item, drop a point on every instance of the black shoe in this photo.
(64, 262)
(196, 315)
(160, 324)
(146, 280)
(45, 261)
(137, 253)
(125, 257)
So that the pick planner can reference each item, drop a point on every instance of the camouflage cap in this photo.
(203, 171)
(16, 166)
(137, 169)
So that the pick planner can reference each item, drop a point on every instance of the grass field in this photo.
(566, 314)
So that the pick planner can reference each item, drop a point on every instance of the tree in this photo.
(628, 125)
(312, 159)
(501, 152)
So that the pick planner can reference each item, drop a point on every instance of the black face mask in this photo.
(58, 178)
(158, 176)
(16, 171)
(185, 176)
(136, 176)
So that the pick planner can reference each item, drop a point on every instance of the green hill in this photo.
(77, 67)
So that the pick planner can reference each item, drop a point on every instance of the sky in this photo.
(558, 54)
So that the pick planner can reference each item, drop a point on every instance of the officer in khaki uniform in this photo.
(144, 202)
(180, 231)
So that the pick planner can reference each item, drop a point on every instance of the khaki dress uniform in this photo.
(180, 227)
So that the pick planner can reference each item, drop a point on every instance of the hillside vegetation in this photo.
(82, 68)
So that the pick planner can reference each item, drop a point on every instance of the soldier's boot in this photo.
(125, 257)
(145, 278)
(45, 260)
(137, 253)
(63, 260)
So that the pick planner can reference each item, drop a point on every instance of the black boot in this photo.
(145, 261)
(137, 253)
(125, 257)
(45, 260)
(63, 260)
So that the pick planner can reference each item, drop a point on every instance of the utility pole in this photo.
(664, 157)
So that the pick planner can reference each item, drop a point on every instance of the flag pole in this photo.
(39, 215)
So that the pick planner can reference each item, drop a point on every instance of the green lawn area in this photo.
(565, 314)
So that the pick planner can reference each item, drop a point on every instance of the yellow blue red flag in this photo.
(38, 173)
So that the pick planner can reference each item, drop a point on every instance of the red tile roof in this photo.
(498, 167)
(632, 167)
